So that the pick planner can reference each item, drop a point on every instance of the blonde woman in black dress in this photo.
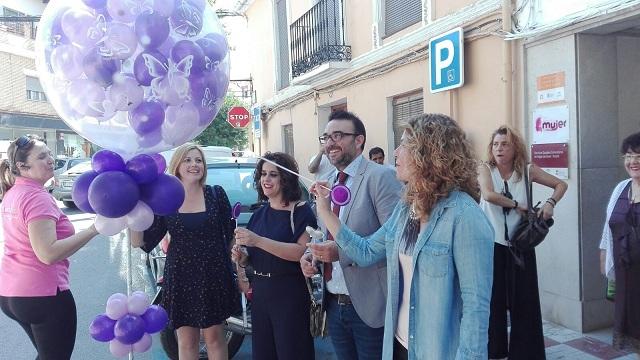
(199, 288)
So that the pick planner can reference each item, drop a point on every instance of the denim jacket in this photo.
(452, 278)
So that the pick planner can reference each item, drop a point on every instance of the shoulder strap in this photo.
(528, 186)
(293, 227)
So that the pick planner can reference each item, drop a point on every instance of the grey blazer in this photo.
(375, 192)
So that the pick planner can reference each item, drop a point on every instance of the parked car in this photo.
(62, 164)
(64, 183)
(235, 175)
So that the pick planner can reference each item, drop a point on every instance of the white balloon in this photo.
(138, 303)
(140, 218)
(110, 226)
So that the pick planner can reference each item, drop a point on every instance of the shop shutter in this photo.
(282, 44)
(404, 108)
(287, 135)
(400, 14)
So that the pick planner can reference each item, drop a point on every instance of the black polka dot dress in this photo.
(199, 287)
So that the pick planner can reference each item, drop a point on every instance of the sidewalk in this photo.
(565, 344)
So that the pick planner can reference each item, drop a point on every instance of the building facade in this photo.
(24, 108)
(561, 72)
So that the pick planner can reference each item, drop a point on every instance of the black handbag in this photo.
(532, 228)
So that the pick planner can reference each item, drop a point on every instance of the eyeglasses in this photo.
(335, 136)
(631, 157)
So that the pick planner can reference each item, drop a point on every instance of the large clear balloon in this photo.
(126, 74)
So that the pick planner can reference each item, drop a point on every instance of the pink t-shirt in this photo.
(21, 272)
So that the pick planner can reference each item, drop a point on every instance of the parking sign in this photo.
(446, 61)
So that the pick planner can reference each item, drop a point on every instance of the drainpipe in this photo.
(507, 58)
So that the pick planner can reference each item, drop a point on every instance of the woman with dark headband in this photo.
(620, 249)
(34, 273)
(515, 287)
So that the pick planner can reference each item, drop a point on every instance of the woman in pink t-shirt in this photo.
(38, 239)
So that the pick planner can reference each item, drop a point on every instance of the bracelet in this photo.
(552, 201)
(244, 267)
(515, 206)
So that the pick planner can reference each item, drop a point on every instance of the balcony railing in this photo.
(317, 37)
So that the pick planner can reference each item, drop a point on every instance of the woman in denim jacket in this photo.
(438, 244)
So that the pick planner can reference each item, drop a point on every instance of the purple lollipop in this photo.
(236, 210)
(340, 195)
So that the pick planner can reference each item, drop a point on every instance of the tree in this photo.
(220, 132)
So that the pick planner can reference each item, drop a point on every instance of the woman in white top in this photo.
(515, 288)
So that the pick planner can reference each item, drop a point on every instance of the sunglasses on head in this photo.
(22, 141)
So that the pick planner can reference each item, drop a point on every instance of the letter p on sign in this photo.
(446, 61)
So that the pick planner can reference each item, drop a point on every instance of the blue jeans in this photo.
(352, 339)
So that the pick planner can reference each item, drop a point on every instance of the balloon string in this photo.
(291, 171)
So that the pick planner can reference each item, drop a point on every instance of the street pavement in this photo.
(96, 272)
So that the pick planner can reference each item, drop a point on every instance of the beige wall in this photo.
(358, 26)
(13, 92)
(477, 106)
(260, 26)
(443, 8)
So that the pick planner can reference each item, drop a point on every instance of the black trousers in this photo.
(280, 319)
(49, 321)
(515, 289)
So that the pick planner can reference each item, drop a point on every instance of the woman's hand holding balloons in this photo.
(239, 255)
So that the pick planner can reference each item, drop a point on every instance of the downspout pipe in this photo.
(507, 63)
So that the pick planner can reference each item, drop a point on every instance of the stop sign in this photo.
(238, 117)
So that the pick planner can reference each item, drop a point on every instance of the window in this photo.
(13, 26)
(404, 108)
(287, 135)
(400, 14)
(34, 90)
(282, 45)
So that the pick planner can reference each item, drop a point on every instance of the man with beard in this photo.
(356, 296)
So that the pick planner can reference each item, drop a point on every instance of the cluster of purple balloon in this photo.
(153, 70)
(127, 194)
(128, 322)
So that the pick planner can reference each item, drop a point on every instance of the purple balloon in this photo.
(120, 10)
(125, 94)
(66, 61)
(164, 196)
(207, 93)
(120, 41)
(113, 194)
(187, 17)
(148, 63)
(129, 329)
(57, 34)
(150, 139)
(86, 98)
(152, 29)
(185, 48)
(107, 160)
(180, 123)
(81, 27)
(164, 8)
(214, 46)
(95, 4)
(155, 319)
(146, 117)
(80, 191)
(161, 163)
(142, 168)
(99, 68)
(101, 328)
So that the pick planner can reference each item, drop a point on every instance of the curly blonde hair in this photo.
(443, 159)
(520, 158)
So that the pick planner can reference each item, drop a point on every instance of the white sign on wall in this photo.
(550, 125)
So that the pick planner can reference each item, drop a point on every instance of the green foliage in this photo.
(221, 133)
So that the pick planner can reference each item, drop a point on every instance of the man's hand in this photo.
(306, 264)
(326, 251)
